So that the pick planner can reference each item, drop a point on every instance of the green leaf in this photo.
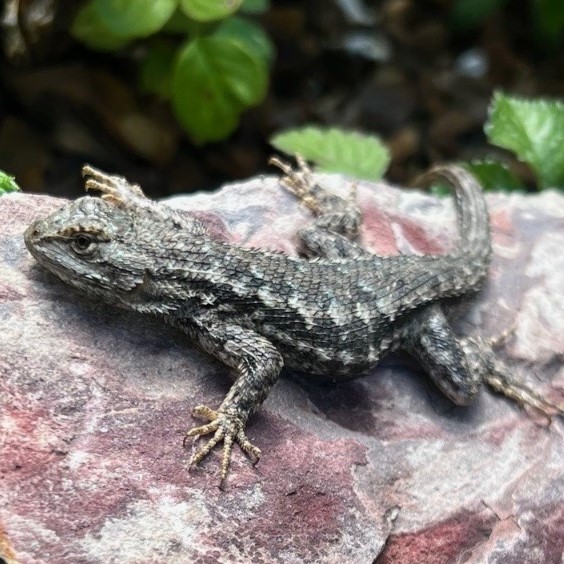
(440, 190)
(334, 150)
(214, 80)
(255, 6)
(534, 131)
(249, 35)
(134, 18)
(155, 73)
(209, 10)
(180, 23)
(468, 14)
(89, 29)
(7, 184)
(550, 19)
(494, 175)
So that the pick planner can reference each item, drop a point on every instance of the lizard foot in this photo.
(114, 189)
(227, 427)
(500, 382)
(301, 183)
(496, 374)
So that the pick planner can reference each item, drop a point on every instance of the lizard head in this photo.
(83, 243)
(115, 251)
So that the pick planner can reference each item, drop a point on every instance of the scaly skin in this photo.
(257, 311)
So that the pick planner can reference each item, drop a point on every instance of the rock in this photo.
(94, 402)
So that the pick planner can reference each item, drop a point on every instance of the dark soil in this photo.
(403, 69)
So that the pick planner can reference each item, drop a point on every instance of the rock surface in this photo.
(93, 402)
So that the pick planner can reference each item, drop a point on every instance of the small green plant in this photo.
(7, 184)
(468, 14)
(334, 150)
(211, 64)
(495, 176)
(547, 17)
(534, 131)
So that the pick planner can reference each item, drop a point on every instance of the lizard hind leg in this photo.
(459, 366)
(429, 338)
(497, 376)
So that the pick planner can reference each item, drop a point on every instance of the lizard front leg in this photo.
(337, 220)
(117, 191)
(258, 364)
(114, 189)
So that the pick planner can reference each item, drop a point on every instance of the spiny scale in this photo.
(334, 315)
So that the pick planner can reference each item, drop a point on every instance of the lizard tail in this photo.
(474, 244)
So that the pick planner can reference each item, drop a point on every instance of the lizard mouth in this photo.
(37, 240)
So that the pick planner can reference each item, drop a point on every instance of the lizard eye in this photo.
(83, 244)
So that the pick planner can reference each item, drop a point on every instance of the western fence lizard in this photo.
(335, 312)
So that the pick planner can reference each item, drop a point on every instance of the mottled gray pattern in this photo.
(334, 315)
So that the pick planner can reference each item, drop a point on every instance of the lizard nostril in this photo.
(33, 232)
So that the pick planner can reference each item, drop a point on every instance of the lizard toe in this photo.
(204, 412)
(114, 189)
(227, 427)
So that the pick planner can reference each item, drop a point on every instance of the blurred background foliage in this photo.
(181, 95)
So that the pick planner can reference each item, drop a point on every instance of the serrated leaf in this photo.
(495, 176)
(249, 35)
(7, 184)
(209, 10)
(254, 6)
(534, 131)
(334, 150)
(214, 80)
(134, 18)
(88, 28)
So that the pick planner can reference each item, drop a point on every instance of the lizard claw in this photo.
(299, 182)
(496, 374)
(226, 426)
(114, 189)
(523, 395)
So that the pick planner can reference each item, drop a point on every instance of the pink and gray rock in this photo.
(94, 402)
